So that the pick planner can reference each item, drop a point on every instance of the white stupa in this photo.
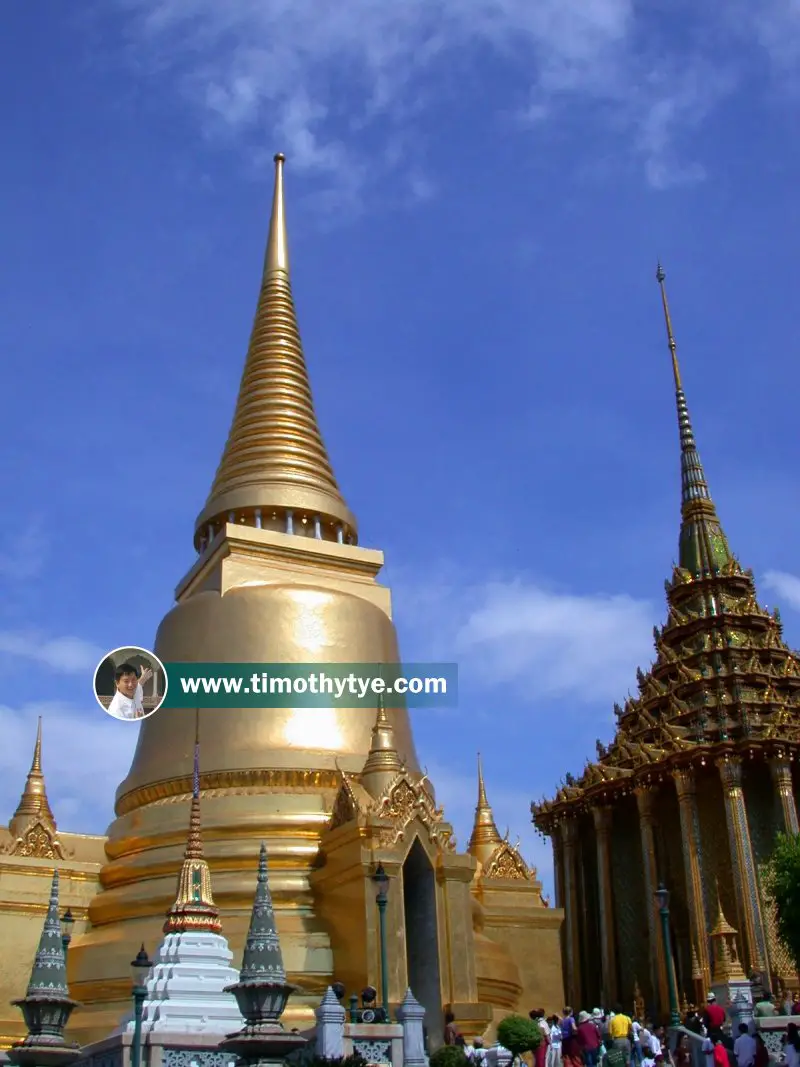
(186, 985)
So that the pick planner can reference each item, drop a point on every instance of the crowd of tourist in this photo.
(615, 1039)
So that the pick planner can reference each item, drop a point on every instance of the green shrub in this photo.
(449, 1056)
(519, 1034)
(782, 884)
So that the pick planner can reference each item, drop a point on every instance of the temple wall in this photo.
(590, 936)
(627, 865)
(763, 812)
(672, 872)
(716, 855)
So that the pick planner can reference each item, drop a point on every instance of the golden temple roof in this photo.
(194, 908)
(723, 678)
(497, 857)
(275, 459)
(485, 836)
(383, 763)
(33, 805)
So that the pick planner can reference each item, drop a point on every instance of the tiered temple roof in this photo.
(723, 678)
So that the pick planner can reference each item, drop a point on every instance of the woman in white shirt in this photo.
(554, 1049)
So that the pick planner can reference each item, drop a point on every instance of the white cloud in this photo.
(777, 28)
(69, 655)
(672, 103)
(785, 585)
(317, 74)
(517, 633)
(85, 755)
(23, 553)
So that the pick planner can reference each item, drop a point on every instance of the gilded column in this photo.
(782, 777)
(572, 907)
(608, 954)
(558, 865)
(745, 879)
(692, 863)
(645, 800)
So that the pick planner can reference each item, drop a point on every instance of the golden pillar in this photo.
(645, 801)
(745, 878)
(572, 906)
(558, 865)
(603, 817)
(690, 835)
(781, 770)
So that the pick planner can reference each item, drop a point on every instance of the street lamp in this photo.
(662, 899)
(67, 922)
(381, 880)
(140, 968)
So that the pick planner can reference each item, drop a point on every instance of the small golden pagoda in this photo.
(280, 577)
(700, 775)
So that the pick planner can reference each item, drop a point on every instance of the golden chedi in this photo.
(280, 577)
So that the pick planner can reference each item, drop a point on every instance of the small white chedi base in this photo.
(185, 987)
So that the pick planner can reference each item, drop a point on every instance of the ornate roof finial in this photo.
(194, 908)
(275, 459)
(49, 974)
(47, 1006)
(703, 546)
(383, 762)
(262, 960)
(485, 835)
(724, 951)
(262, 990)
(34, 807)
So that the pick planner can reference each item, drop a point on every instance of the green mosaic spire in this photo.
(49, 974)
(262, 961)
(703, 547)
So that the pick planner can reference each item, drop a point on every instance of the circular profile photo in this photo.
(130, 683)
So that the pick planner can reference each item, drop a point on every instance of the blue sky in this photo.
(477, 194)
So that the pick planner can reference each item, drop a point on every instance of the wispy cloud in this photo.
(23, 553)
(785, 585)
(776, 24)
(318, 75)
(85, 755)
(519, 634)
(69, 655)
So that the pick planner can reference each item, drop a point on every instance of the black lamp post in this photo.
(662, 899)
(140, 968)
(381, 880)
(67, 922)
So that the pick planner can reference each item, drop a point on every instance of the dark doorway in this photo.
(422, 940)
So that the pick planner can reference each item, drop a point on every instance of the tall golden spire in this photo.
(33, 805)
(485, 835)
(383, 763)
(703, 547)
(194, 908)
(275, 465)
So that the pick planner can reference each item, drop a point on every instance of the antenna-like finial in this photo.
(673, 348)
(703, 548)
